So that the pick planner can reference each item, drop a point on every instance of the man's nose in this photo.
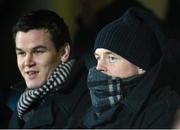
(101, 65)
(29, 60)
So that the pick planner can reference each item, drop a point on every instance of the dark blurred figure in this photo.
(94, 14)
(9, 71)
(5, 113)
(173, 62)
(172, 26)
(172, 22)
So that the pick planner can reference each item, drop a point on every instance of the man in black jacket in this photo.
(56, 95)
(130, 86)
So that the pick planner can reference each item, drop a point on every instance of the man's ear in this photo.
(65, 52)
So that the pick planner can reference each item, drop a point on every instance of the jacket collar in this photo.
(139, 95)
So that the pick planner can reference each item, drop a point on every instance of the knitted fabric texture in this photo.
(54, 83)
(106, 91)
(134, 37)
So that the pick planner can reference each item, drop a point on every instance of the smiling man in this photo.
(31, 48)
(56, 95)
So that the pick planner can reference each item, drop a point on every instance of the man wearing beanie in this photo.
(130, 86)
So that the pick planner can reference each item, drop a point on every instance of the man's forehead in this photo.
(104, 51)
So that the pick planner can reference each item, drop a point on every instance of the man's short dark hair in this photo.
(45, 19)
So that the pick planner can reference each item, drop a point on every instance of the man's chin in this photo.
(31, 86)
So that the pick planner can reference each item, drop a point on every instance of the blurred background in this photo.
(84, 18)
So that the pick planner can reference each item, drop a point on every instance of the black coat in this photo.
(62, 109)
(151, 104)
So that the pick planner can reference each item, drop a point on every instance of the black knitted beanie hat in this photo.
(135, 36)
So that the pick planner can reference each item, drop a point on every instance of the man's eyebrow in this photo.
(35, 48)
(18, 49)
(109, 53)
(40, 46)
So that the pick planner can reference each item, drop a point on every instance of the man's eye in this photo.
(112, 59)
(20, 53)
